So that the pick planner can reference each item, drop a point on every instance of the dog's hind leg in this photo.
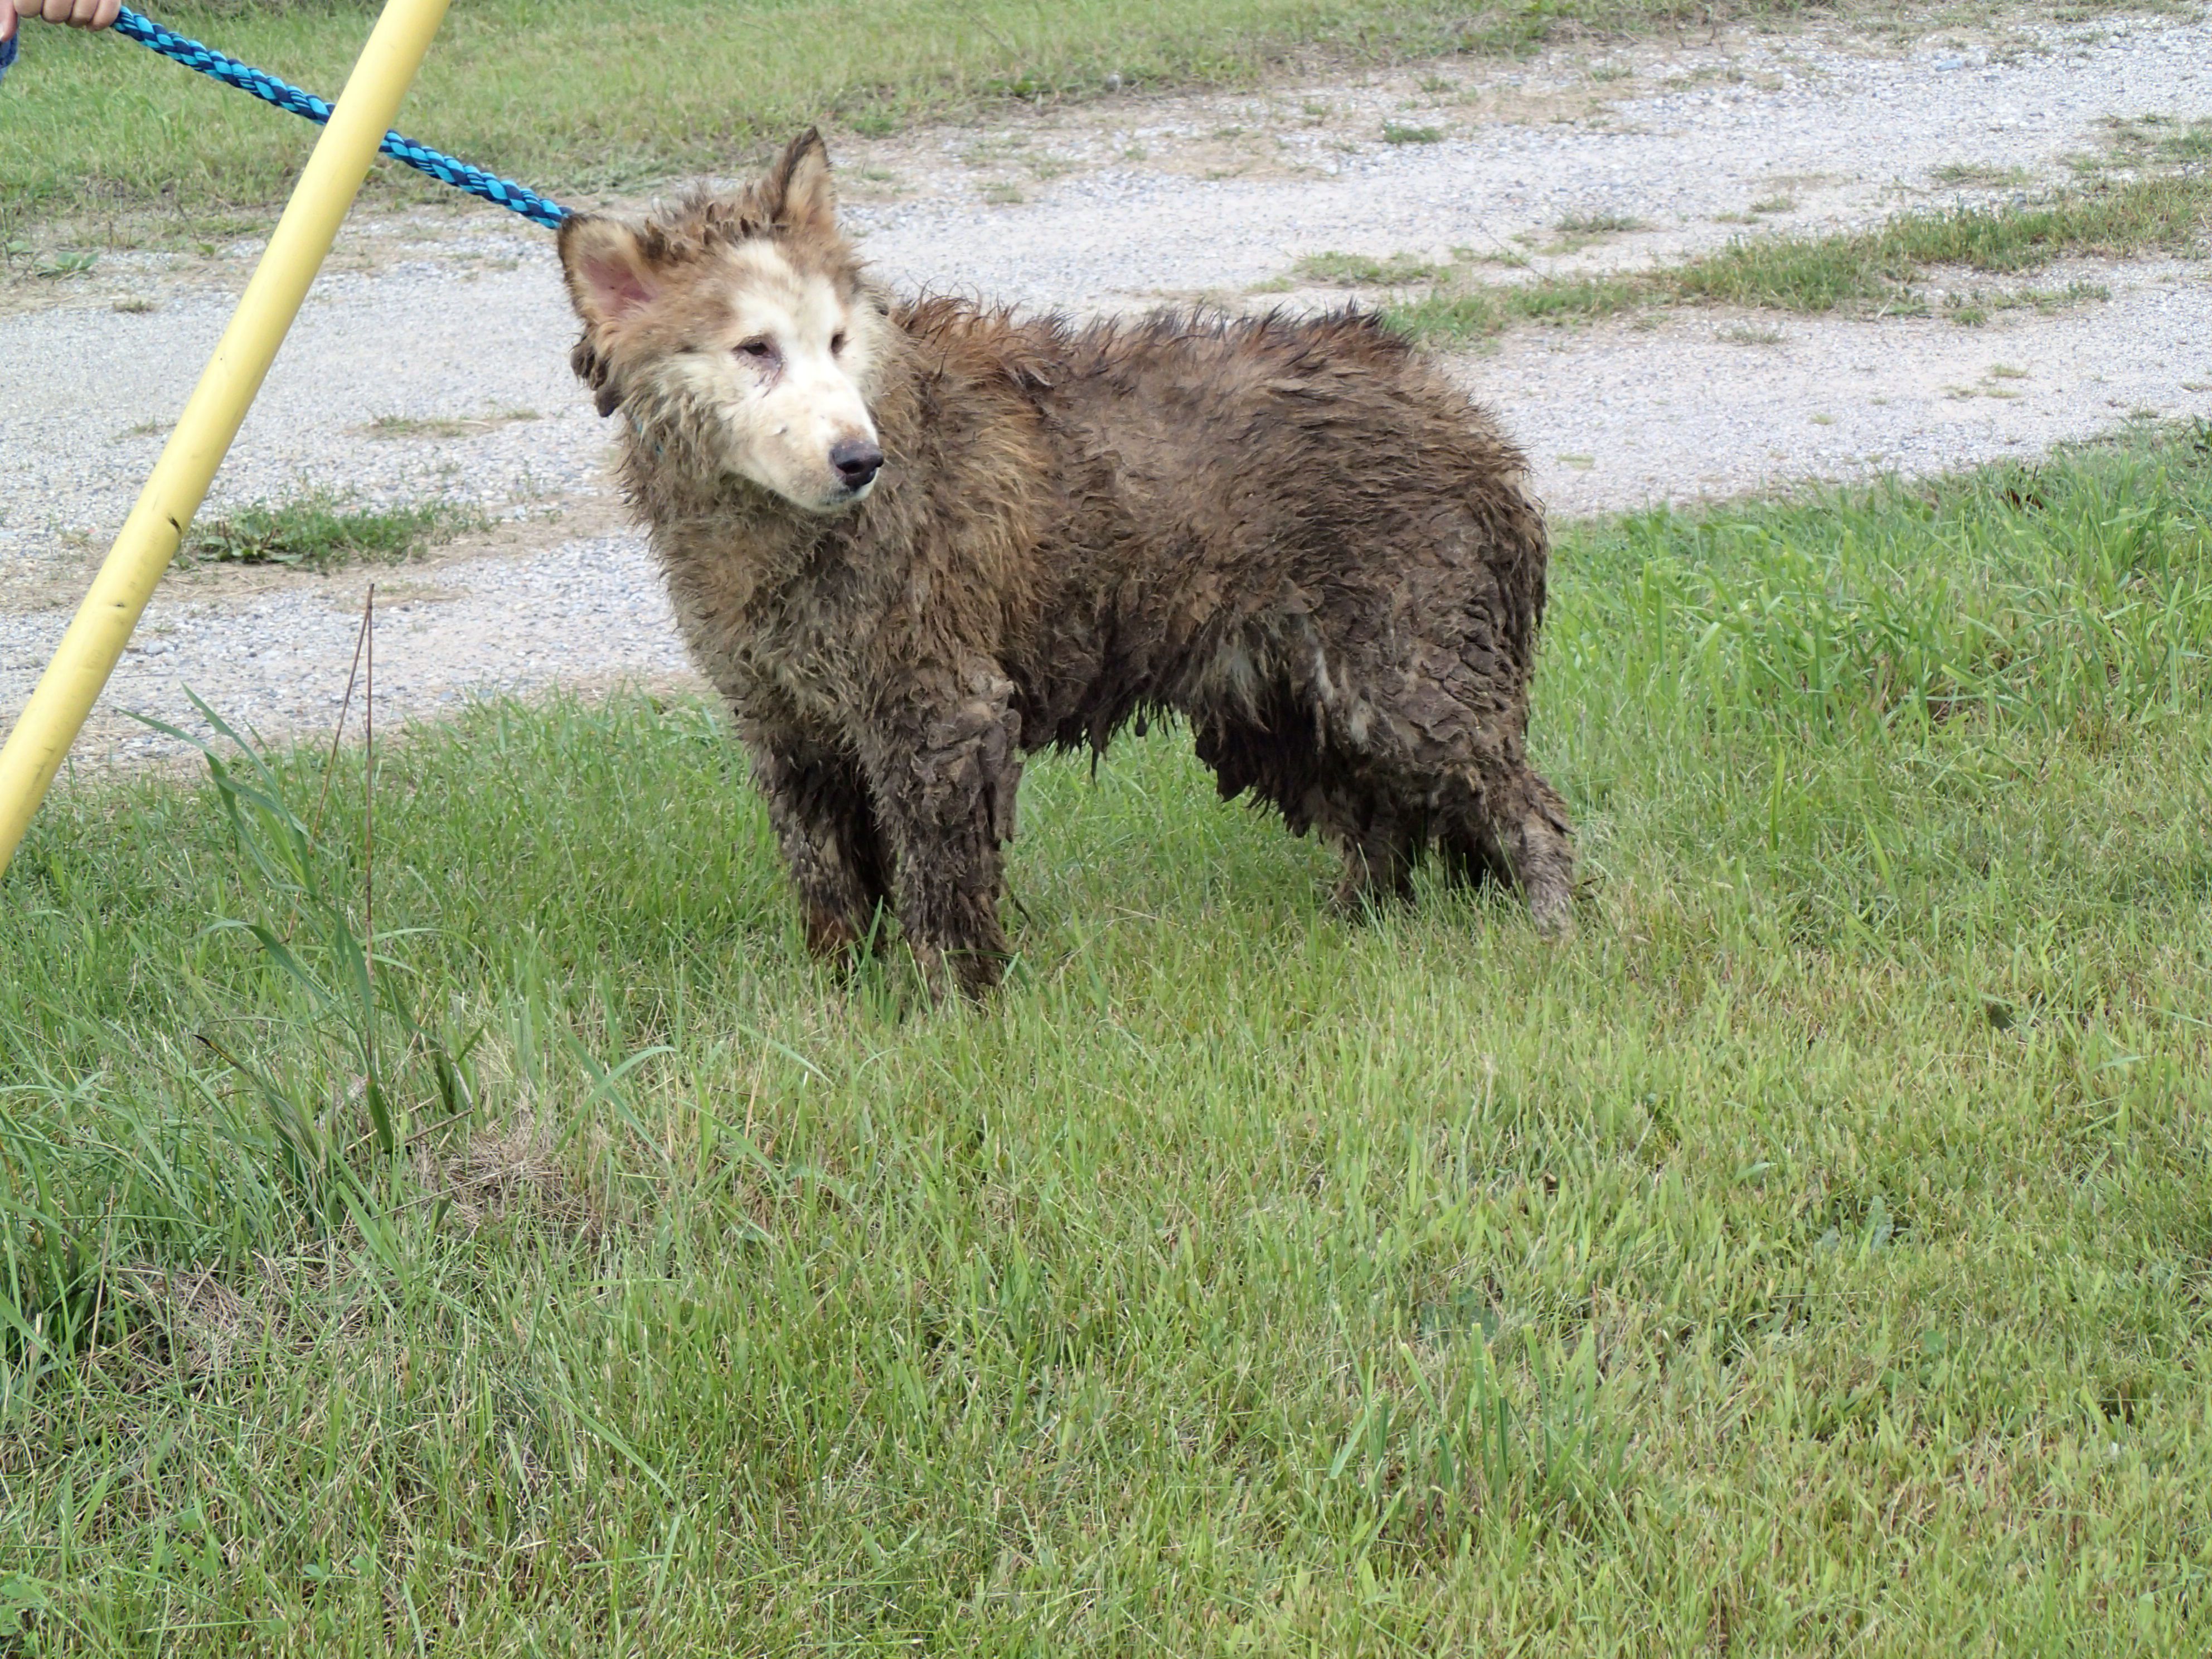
(1536, 842)
(1506, 823)
(1442, 762)
(1279, 756)
(817, 801)
(1470, 855)
(1377, 841)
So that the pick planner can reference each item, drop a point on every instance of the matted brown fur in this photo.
(1296, 534)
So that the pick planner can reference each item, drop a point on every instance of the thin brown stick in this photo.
(330, 766)
(368, 816)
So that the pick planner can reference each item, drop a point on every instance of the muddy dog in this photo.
(910, 539)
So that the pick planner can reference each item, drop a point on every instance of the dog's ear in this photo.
(610, 276)
(797, 194)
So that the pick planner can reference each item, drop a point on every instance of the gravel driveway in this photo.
(430, 361)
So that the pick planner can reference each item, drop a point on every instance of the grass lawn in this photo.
(578, 95)
(1813, 1256)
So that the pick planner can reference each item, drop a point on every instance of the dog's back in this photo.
(1214, 489)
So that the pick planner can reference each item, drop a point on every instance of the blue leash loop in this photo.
(267, 88)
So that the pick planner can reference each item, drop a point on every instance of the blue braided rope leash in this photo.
(267, 88)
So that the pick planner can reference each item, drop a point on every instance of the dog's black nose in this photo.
(857, 461)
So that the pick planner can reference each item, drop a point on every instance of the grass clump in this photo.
(1878, 269)
(318, 532)
(1449, 315)
(1364, 271)
(1815, 1249)
(406, 427)
(62, 266)
(1976, 306)
(1878, 266)
(1979, 175)
(2158, 141)
(1396, 132)
(1598, 224)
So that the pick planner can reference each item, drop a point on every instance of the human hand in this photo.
(80, 13)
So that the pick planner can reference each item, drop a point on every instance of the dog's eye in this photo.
(836, 343)
(761, 350)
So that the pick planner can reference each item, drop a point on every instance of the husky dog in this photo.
(910, 539)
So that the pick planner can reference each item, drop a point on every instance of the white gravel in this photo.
(590, 612)
(459, 315)
(1669, 138)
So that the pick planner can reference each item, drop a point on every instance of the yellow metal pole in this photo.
(149, 537)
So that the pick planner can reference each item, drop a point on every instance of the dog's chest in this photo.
(803, 631)
(813, 651)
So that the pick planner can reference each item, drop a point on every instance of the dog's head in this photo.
(736, 331)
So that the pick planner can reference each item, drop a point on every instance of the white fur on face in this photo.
(783, 373)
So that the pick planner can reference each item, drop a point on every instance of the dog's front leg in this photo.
(817, 800)
(944, 762)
